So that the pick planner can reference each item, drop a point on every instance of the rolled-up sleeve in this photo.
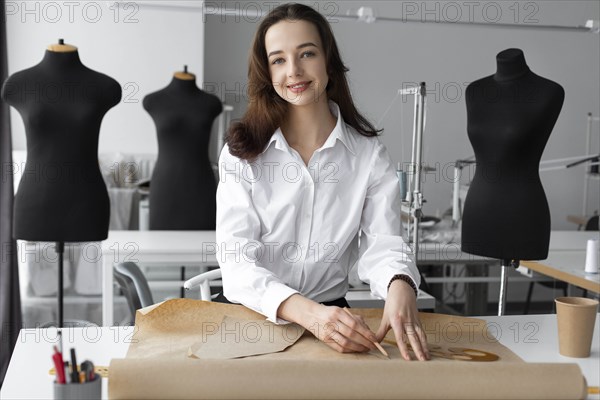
(238, 242)
(383, 252)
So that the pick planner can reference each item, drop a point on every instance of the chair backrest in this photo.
(128, 288)
(592, 224)
(203, 280)
(133, 272)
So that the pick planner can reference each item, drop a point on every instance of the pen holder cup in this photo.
(79, 391)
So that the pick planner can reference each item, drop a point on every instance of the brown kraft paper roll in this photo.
(302, 379)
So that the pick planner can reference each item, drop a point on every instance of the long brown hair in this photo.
(266, 109)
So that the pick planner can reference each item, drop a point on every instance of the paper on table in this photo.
(168, 329)
(157, 365)
(257, 378)
(234, 338)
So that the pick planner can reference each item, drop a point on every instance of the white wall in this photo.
(140, 46)
(382, 56)
(385, 56)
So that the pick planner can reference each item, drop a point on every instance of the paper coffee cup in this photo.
(591, 257)
(576, 317)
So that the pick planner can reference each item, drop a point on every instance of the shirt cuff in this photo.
(384, 278)
(275, 294)
(406, 278)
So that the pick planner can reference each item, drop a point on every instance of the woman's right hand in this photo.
(334, 326)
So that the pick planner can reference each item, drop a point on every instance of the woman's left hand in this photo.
(401, 315)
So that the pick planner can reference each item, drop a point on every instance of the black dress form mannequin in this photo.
(183, 186)
(510, 116)
(62, 196)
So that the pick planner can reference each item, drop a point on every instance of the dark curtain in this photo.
(10, 299)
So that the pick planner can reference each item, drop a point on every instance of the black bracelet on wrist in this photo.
(405, 278)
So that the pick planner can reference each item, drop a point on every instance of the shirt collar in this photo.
(340, 131)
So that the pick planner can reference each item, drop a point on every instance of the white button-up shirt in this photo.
(284, 227)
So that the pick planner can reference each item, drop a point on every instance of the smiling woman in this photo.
(300, 38)
(287, 242)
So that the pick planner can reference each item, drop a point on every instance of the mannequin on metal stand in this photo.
(510, 116)
(62, 196)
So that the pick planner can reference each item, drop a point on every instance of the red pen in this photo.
(58, 366)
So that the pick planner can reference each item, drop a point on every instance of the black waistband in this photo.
(341, 302)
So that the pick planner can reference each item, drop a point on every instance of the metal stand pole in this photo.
(418, 194)
(60, 249)
(414, 194)
(182, 290)
(506, 264)
(586, 181)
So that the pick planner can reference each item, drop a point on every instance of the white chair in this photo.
(203, 280)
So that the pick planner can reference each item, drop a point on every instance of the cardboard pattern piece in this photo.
(235, 338)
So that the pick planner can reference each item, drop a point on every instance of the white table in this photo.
(361, 297)
(532, 337)
(28, 375)
(565, 262)
(566, 259)
(198, 248)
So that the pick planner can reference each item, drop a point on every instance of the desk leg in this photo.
(107, 291)
(476, 298)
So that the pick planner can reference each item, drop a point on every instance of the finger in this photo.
(347, 345)
(356, 323)
(375, 342)
(414, 340)
(333, 335)
(383, 329)
(352, 340)
(423, 340)
(352, 329)
(333, 344)
(399, 334)
(363, 322)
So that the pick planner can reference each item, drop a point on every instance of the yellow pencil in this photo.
(381, 349)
